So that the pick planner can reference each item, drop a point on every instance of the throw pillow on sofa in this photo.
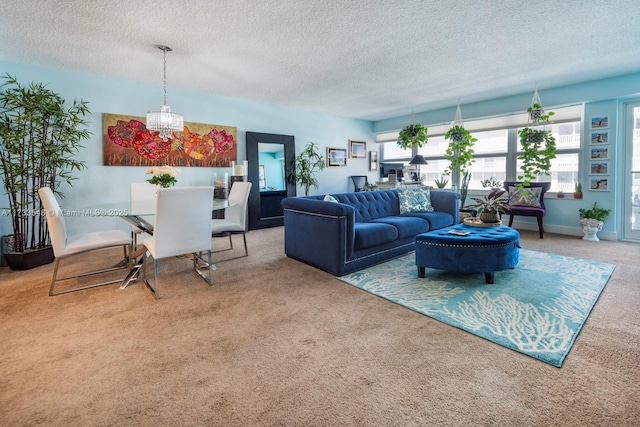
(525, 197)
(330, 198)
(415, 200)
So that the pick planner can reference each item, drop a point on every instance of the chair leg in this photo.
(540, 227)
(145, 279)
(510, 220)
(230, 241)
(55, 279)
(199, 264)
(244, 237)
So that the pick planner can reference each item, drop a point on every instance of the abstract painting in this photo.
(128, 142)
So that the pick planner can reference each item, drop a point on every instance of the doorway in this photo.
(631, 196)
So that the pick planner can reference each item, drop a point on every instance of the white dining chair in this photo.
(235, 217)
(140, 192)
(65, 245)
(182, 225)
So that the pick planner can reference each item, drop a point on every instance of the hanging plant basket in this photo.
(457, 136)
(535, 114)
(535, 136)
(414, 135)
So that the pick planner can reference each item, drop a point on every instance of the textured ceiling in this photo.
(368, 59)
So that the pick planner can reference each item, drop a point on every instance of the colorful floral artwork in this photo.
(127, 142)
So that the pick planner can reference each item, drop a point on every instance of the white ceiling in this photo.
(368, 59)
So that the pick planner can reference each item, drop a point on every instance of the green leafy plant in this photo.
(594, 212)
(538, 146)
(414, 135)
(442, 182)
(491, 183)
(164, 176)
(460, 149)
(39, 140)
(492, 202)
(305, 166)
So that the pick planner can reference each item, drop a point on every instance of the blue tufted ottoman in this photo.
(483, 250)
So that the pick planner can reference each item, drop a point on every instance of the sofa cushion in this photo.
(370, 205)
(415, 200)
(407, 226)
(330, 198)
(370, 234)
(436, 219)
(529, 196)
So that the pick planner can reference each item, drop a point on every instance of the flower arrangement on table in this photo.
(164, 176)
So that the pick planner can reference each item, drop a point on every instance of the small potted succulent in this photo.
(577, 193)
(491, 206)
(442, 182)
(592, 220)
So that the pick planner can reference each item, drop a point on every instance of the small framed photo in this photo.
(599, 168)
(599, 137)
(373, 160)
(599, 122)
(357, 149)
(336, 156)
(599, 153)
(599, 184)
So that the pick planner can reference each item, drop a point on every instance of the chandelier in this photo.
(164, 121)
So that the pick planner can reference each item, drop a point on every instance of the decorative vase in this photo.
(490, 216)
(590, 228)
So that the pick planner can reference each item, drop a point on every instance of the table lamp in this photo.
(418, 160)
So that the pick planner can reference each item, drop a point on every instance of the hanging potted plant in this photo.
(39, 139)
(538, 144)
(460, 153)
(414, 135)
(305, 166)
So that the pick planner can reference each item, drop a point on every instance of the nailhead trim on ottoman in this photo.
(483, 250)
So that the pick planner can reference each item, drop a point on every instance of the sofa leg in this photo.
(421, 271)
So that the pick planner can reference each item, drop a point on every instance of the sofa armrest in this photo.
(446, 201)
(319, 233)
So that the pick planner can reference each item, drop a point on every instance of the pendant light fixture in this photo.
(164, 121)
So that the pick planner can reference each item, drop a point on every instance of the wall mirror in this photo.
(270, 156)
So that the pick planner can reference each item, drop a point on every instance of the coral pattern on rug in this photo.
(537, 308)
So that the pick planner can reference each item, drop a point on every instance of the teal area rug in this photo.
(537, 309)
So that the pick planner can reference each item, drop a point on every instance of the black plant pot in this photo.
(29, 259)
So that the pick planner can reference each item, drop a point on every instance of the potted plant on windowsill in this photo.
(577, 193)
(39, 139)
(592, 220)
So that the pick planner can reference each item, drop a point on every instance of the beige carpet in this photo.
(276, 342)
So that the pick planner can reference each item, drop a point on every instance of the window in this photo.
(497, 149)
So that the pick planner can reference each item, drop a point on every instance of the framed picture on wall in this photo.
(599, 184)
(599, 153)
(336, 156)
(373, 160)
(599, 168)
(599, 122)
(599, 137)
(357, 149)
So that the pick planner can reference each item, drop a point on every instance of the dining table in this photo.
(139, 213)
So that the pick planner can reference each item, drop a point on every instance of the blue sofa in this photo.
(361, 229)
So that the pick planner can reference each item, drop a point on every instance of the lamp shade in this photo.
(418, 159)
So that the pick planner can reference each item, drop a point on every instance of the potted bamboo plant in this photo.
(39, 139)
